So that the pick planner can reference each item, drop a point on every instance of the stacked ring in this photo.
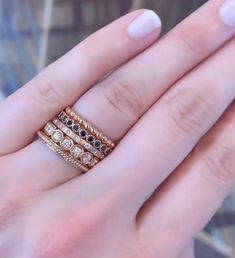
(76, 140)
(86, 133)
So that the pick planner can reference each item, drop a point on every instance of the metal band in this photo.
(68, 145)
(93, 130)
(77, 138)
(66, 156)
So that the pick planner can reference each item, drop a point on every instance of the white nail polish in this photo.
(227, 12)
(144, 25)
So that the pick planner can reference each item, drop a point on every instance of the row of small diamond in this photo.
(77, 138)
(66, 156)
(75, 127)
(67, 144)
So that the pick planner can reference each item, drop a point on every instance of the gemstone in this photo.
(87, 146)
(76, 151)
(86, 158)
(66, 144)
(57, 136)
(69, 123)
(95, 151)
(90, 138)
(83, 133)
(97, 144)
(49, 129)
(68, 132)
(65, 118)
(76, 128)
(103, 148)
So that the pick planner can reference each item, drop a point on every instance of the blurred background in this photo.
(33, 33)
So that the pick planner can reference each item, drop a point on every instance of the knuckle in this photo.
(123, 97)
(191, 41)
(45, 92)
(187, 111)
(219, 162)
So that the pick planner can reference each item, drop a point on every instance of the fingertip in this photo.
(145, 24)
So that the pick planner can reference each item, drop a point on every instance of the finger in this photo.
(167, 133)
(125, 95)
(63, 82)
(131, 90)
(197, 188)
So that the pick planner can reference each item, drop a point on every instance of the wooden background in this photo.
(33, 33)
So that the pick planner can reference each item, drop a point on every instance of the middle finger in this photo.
(167, 133)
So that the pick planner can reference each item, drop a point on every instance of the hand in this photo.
(171, 107)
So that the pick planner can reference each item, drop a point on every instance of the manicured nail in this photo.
(144, 25)
(227, 12)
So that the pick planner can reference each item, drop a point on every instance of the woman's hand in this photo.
(168, 174)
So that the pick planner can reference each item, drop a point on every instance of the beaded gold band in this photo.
(76, 140)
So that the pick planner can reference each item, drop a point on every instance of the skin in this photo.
(174, 163)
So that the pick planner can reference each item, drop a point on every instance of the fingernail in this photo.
(227, 12)
(144, 25)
